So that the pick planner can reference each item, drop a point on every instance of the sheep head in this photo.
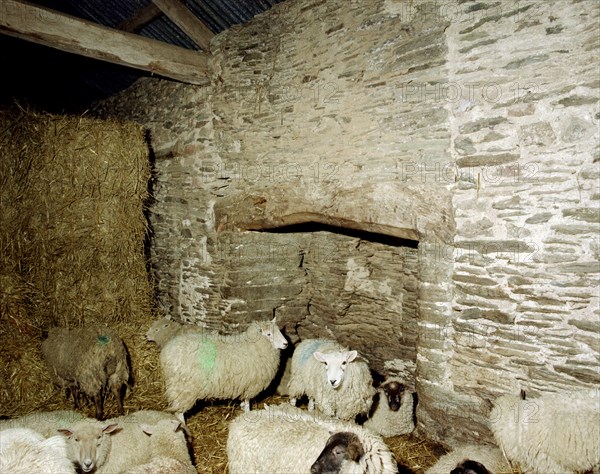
(335, 364)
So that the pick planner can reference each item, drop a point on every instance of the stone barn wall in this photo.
(418, 180)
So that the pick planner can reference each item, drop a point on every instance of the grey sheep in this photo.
(210, 366)
(88, 359)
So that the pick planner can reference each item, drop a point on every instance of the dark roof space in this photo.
(60, 82)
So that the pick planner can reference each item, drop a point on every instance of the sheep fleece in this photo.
(490, 456)
(392, 423)
(355, 394)
(203, 366)
(556, 433)
(287, 439)
(90, 356)
(23, 451)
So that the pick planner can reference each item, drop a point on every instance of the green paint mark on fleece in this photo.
(207, 353)
(103, 340)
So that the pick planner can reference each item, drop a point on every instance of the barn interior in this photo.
(417, 180)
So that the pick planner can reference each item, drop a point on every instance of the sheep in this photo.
(144, 435)
(169, 451)
(163, 330)
(341, 449)
(336, 382)
(162, 465)
(392, 413)
(88, 359)
(557, 432)
(44, 422)
(474, 459)
(208, 366)
(287, 439)
(23, 451)
(89, 443)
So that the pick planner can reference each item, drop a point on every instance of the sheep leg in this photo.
(75, 393)
(245, 406)
(311, 404)
(98, 402)
(293, 401)
(118, 393)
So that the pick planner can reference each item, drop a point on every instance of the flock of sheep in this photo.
(556, 433)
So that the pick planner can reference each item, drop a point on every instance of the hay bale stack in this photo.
(73, 193)
(72, 232)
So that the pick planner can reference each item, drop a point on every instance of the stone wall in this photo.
(468, 127)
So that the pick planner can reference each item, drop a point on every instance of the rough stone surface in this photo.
(470, 127)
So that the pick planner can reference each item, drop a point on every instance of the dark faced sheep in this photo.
(340, 447)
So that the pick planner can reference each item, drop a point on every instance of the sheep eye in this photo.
(344, 363)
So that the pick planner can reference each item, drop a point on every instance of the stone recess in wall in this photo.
(471, 128)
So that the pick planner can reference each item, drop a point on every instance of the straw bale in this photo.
(72, 227)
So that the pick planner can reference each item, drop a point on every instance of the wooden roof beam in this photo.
(197, 31)
(74, 35)
(140, 18)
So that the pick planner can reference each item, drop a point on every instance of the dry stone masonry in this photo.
(448, 153)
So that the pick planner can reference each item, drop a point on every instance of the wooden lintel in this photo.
(140, 18)
(74, 35)
(304, 217)
(197, 31)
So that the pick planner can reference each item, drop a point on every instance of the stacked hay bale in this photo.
(72, 232)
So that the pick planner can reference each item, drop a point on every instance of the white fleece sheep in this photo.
(336, 382)
(142, 436)
(163, 330)
(89, 443)
(386, 421)
(44, 422)
(208, 366)
(24, 451)
(88, 359)
(287, 439)
(555, 433)
(490, 456)
(162, 465)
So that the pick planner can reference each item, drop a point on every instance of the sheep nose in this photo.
(333, 382)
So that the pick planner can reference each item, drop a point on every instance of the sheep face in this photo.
(335, 363)
(393, 392)
(89, 444)
(273, 334)
(160, 328)
(340, 448)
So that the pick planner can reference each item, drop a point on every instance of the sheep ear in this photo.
(355, 451)
(350, 356)
(319, 356)
(180, 418)
(110, 428)
(148, 429)
(66, 432)
(274, 320)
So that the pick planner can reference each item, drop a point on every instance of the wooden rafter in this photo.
(74, 35)
(140, 19)
(197, 31)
